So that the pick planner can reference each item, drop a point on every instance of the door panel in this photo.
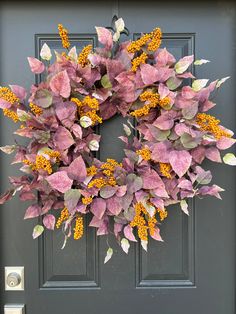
(193, 270)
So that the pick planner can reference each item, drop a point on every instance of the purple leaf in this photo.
(4, 104)
(19, 91)
(114, 205)
(207, 105)
(160, 151)
(158, 202)
(225, 142)
(213, 154)
(121, 190)
(66, 113)
(164, 57)
(104, 37)
(49, 221)
(164, 121)
(77, 131)
(156, 235)
(163, 90)
(149, 74)
(213, 190)
(6, 196)
(36, 66)
(203, 177)
(180, 161)
(98, 207)
(117, 228)
(33, 211)
(151, 180)
(60, 84)
(60, 181)
(128, 232)
(198, 154)
(185, 184)
(77, 170)
(62, 138)
(27, 196)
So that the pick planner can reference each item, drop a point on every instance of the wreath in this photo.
(167, 137)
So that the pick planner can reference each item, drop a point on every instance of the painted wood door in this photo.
(193, 270)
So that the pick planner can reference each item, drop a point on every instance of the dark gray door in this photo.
(193, 271)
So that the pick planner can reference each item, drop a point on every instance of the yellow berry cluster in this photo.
(138, 60)
(93, 116)
(83, 56)
(63, 216)
(153, 101)
(7, 95)
(97, 183)
(87, 200)
(29, 163)
(165, 169)
(42, 162)
(162, 213)
(210, 124)
(36, 109)
(143, 221)
(11, 114)
(139, 43)
(155, 42)
(153, 39)
(145, 153)
(164, 102)
(64, 36)
(88, 103)
(79, 228)
(91, 171)
(111, 164)
(66, 56)
(53, 154)
(108, 170)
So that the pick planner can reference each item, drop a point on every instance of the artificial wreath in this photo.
(167, 137)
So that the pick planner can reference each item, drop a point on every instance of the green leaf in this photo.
(125, 245)
(204, 177)
(23, 115)
(94, 145)
(199, 84)
(144, 244)
(107, 191)
(188, 141)
(134, 183)
(8, 149)
(105, 81)
(184, 207)
(38, 230)
(221, 81)
(43, 98)
(201, 61)
(71, 198)
(108, 255)
(127, 129)
(173, 82)
(229, 159)
(85, 122)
